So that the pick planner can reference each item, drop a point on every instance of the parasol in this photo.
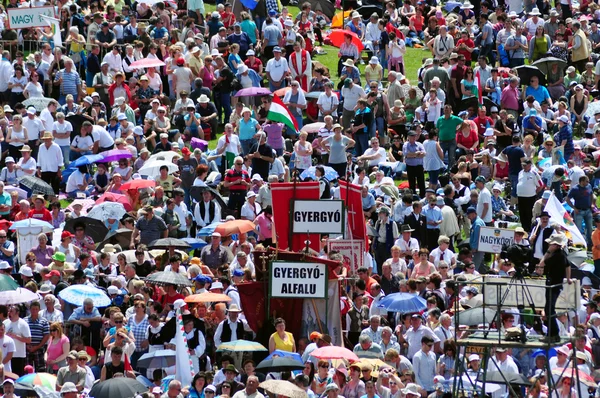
(208, 297)
(37, 186)
(168, 278)
(337, 38)
(94, 228)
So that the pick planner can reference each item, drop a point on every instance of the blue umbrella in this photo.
(86, 159)
(32, 223)
(76, 294)
(330, 173)
(209, 229)
(404, 303)
(195, 243)
(285, 354)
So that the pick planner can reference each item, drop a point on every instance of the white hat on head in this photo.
(489, 132)
(203, 99)
(26, 271)
(121, 116)
(119, 101)
(250, 52)
(242, 68)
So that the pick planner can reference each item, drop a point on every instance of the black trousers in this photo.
(18, 365)
(51, 177)
(432, 238)
(236, 201)
(551, 321)
(526, 211)
(416, 177)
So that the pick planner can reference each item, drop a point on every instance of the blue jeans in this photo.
(449, 147)
(66, 150)
(300, 122)
(382, 59)
(362, 143)
(579, 217)
(514, 179)
(273, 88)
(433, 176)
(246, 145)
(478, 259)
(380, 124)
(87, 192)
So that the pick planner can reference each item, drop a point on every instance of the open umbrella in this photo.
(21, 192)
(18, 296)
(44, 226)
(38, 379)
(334, 352)
(157, 359)
(241, 345)
(164, 155)
(338, 19)
(138, 184)
(117, 387)
(115, 197)
(404, 303)
(168, 278)
(503, 378)
(313, 95)
(93, 228)
(147, 63)
(312, 127)
(281, 92)
(39, 103)
(285, 354)
(327, 7)
(121, 237)
(368, 10)
(152, 168)
(526, 72)
(475, 316)
(7, 283)
(167, 243)
(208, 297)
(195, 243)
(107, 210)
(86, 159)
(196, 193)
(283, 387)
(330, 173)
(37, 186)
(337, 37)
(253, 92)
(86, 204)
(545, 64)
(488, 103)
(585, 380)
(209, 229)
(280, 364)
(76, 294)
(115, 154)
(235, 227)
(471, 102)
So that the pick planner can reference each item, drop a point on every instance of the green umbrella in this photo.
(7, 283)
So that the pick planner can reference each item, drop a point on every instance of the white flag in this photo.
(55, 24)
(559, 215)
(183, 364)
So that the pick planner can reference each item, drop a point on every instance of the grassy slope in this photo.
(412, 60)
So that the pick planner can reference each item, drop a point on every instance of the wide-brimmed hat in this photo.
(348, 62)
(467, 6)
(108, 248)
(411, 389)
(230, 368)
(520, 230)
(535, 11)
(59, 256)
(405, 228)
(234, 308)
(68, 387)
(557, 238)
(47, 136)
(203, 99)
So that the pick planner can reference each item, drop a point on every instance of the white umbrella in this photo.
(153, 168)
(39, 103)
(18, 296)
(106, 210)
(21, 192)
(165, 155)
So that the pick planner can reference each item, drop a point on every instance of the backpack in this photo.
(503, 55)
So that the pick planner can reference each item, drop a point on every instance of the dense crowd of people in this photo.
(122, 109)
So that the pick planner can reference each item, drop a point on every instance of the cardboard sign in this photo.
(298, 280)
(492, 239)
(20, 18)
(318, 216)
(351, 249)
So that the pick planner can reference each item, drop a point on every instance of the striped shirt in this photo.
(39, 329)
(71, 81)
(139, 331)
(234, 175)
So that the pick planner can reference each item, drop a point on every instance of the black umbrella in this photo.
(326, 6)
(117, 387)
(25, 390)
(196, 193)
(279, 364)
(472, 102)
(368, 10)
(526, 72)
(37, 186)
(93, 228)
(121, 237)
(545, 64)
(76, 121)
(504, 377)
(168, 278)
(488, 103)
(168, 243)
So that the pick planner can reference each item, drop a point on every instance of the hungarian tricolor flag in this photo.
(278, 112)
(479, 88)
(229, 156)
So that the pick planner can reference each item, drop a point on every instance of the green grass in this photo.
(412, 61)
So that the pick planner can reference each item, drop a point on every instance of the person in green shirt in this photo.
(5, 202)
(447, 125)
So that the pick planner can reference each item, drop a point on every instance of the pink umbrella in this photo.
(115, 197)
(313, 127)
(115, 154)
(147, 63)
(334, 352)
(85, 204)
(253, 92)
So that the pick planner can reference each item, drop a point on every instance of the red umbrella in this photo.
(338, 37)
(235, 227)
(147, 63)
(138, 184)
(115, 197)
(334, 352)
(281, 92)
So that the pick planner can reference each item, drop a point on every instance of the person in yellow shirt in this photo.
(281, 340)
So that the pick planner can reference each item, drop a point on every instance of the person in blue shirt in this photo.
(515, 156)
(540, 93)
(532, 124)
(433, 215)
(160, 32)
(192, 121)
(581, 198)
(368, 202)
(564, 137)
(476, 224)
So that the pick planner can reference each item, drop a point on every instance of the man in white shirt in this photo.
(405, 242)
(231, 323)
(34, 128)
(6, 72)
(251, 389)
(182, 211)
(102, 139)
(328, 102)
(207, 211)
(445, 331)
(374, 330)
(7, 345)
(18, 330)
(277, 69)
(424, 363)
(250, 209)
(46, 115)
(229, 143)
(484, 202)
(114, 60)
(502, 362)
(50, 161)
(351, 93)
(414, 335)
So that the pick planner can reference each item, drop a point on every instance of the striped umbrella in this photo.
(241, 345)
(38, 379)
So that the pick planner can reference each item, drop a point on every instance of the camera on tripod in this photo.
(517, 255)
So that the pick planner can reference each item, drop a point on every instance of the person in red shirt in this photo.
(39, 212)
(252, 62)
(483, 122)
(227, 17)
(170, 296)
(416, 23)
(465, 46)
